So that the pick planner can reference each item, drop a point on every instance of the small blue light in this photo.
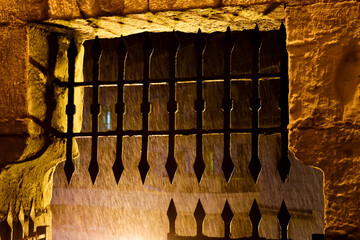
(108, 120)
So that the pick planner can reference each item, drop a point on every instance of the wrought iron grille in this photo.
(252, 121)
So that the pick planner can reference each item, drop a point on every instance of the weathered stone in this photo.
(335, 150)
(163, 5)
(243, 2)
(323, 46)
(27, 10)
(14, 118)
(26, 188)
(209, 20)
(94, 8)
(69, 9)
(64, 9)
(287, 2)
(135, 6)
(13, 79)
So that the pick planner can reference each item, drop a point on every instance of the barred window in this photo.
(173, 118)
(177, 84)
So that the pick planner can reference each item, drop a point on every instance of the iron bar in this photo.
(199, 165)
(187, 79)
(284, 163)
(95, 110)
(118, 166)
(227, 165)
(255, 165)
(177, 132)
(70, 110)
(145, 108)
(171, 164)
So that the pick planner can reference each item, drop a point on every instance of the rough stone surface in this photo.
(26, 180)
(135, 6)
(65, 9)
(27, 10)
(208, 20)
(335, 151)
(13, 91)
(287, 2)
(163, 5)
(26, 188)
(13, 75)
(324, 48)
(244, 2)
(68, 9)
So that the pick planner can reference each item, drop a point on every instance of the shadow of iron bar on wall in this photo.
(227, 216)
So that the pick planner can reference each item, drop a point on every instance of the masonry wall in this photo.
(324, 56)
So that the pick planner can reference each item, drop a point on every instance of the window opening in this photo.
(189, 86)
(267, 86)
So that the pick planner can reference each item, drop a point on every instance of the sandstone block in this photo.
(288, 2)
(163, 5)
(67, 9)
(13, 74)
(336, 152)
(94, 8)
(324, 49)
(136, 6)
(243, 2)
(27, 10)
(64, 9)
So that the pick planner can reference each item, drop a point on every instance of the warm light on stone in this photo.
(323, 45)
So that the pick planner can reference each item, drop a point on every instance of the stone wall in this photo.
(323, 45)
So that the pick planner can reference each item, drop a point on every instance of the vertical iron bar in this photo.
(284, 164)
(118, 166)
(145, 108)
(255, 165)
(70, 110)
(199, 165)
(171, 164)
(255, 93)
(95, 110)
(227, 165)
